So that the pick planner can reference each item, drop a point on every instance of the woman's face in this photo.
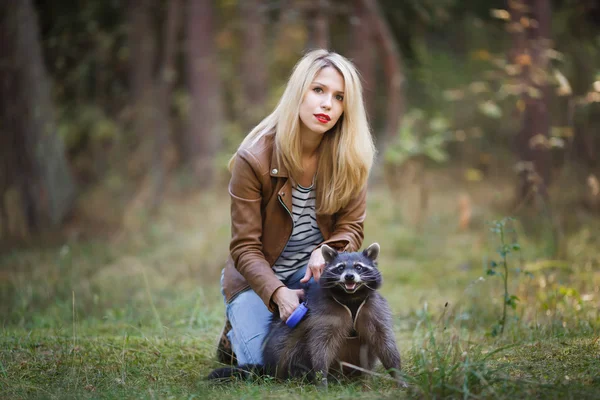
(323, 104)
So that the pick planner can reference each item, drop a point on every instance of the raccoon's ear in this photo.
(372, 252)
(328, 253)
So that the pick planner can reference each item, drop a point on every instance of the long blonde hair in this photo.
(346, 150)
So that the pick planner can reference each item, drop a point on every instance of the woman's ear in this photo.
(372, 252)
(329, 254)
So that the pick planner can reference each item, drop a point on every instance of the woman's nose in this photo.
(326, 102)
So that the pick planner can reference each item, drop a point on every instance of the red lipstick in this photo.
(323, 118)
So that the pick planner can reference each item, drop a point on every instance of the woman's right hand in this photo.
(287, 301)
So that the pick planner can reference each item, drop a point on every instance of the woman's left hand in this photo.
(315, 266)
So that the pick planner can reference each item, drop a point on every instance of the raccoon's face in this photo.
(351, 272)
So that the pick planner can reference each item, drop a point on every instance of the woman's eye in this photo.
(339, 97)
(318, 90)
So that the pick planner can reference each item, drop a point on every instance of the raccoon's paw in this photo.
(320, 380)
(322, 384)
(401, 383)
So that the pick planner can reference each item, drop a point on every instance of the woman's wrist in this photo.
(276, 295)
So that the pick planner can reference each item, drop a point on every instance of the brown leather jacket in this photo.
(261, 221)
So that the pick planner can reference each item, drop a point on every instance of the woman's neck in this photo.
(310, 143)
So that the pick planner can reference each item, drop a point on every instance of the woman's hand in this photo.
(315, 267)
(287, 301)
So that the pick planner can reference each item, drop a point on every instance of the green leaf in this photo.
(438, 124)
(490, 109)
(437, 155)
(512, 301)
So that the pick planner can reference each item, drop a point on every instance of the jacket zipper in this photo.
(292, 217)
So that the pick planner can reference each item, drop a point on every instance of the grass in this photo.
(137, 314)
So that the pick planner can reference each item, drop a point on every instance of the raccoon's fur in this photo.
(347, 321)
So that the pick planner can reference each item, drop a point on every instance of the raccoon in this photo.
(347, 321)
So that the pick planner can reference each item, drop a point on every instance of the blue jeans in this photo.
(250, 319)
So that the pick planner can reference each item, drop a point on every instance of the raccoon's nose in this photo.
(349, 277)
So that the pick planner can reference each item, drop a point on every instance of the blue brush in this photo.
(297, 315)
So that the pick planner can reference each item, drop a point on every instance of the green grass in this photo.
(137, 315)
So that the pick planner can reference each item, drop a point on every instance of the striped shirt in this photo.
(305, 235)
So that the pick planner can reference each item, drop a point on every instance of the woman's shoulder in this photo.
(260, 153)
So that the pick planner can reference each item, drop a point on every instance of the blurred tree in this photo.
(34, 164)
(363, 53)
(530, 26)
(392, 69)
(577, 34)
(254, 61)
(142, 58)
(205, 114)
(317, 20)
(87, 58)
(163, 91)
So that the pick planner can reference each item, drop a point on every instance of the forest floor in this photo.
(137, 313)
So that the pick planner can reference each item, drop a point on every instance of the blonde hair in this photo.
(346, 150)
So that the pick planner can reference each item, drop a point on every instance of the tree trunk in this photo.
(142, 49)
(205, 114)
(33, 154)
(286, 9)
(392, 69)
(253, 64)
(363, 54)
(317, 17)
(164, 89)
(530, 46)
(541, 105)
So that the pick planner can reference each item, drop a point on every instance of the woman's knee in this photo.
(249, 319)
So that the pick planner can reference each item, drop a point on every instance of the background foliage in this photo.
(113, 291)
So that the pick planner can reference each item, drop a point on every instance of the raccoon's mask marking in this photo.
(350, 275)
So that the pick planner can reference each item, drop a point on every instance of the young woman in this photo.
(298, 180)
